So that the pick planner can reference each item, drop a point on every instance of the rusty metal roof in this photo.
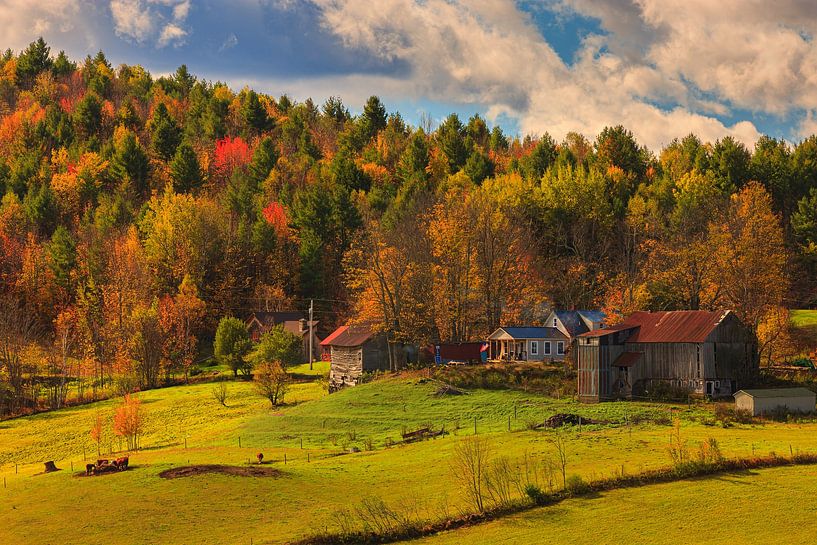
(349, 336)
(674, 326)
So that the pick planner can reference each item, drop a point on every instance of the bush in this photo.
(576, 486)
(536, 494)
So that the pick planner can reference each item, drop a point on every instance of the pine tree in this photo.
(185, 170)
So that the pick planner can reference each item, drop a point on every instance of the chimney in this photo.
(302, 325)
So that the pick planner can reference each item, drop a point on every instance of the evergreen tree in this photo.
(88, 115)
(254, 114)
(165, 133)
(63, 66)
(264, 159)
(62, 252)
(373, 119)
(35, 59)
(130, 163)
(478, 167)
(185, 170)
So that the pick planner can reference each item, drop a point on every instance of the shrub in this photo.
(575, 485)
(536, 494)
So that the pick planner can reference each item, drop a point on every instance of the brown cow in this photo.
(89, 469)
(260, 457)
(121, 463)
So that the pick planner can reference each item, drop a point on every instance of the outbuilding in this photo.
(355, 350)
(771, 400)
(692, 351)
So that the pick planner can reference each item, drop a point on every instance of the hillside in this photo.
(320, 480)
(139, 211)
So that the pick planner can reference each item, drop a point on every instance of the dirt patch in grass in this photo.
(238, 471)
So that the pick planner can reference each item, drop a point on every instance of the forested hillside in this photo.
(139, 210)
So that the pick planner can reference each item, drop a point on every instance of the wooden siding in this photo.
(346, 367)
(715, 367)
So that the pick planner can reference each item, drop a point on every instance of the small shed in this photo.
(355, 350)
(765, 401)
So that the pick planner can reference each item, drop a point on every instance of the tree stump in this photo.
(50, 466)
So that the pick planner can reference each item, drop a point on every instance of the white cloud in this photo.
(133, 19)
(143, 21)
(230, 42)
(489, 52)
(23, 21)
(171, 34)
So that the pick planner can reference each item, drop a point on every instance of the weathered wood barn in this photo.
(703, 352)
(354, 350)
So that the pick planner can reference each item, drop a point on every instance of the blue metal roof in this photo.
(533, 332)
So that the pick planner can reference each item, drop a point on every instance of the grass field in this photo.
(322, 477)
(768, 506)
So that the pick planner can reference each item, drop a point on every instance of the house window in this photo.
(560, 348)
(534, 348)
(555, 322)
(547, 348)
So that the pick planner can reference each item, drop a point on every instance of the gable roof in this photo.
(294, 327)
(674, 326)
(269, 319)
(531, 332)
(574, 320)
(777, 392)
(349, 336)
(332, 336)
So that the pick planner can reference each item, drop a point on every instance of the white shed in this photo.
(793, 400)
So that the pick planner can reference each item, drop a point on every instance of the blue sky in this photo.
(662, 68)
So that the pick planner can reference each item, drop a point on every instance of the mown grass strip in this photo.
(690, 470)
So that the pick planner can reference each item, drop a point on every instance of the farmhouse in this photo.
(549, 343)
(790, 400)
(354, 350)
(698, 351)
(294, 322)
(527, 344)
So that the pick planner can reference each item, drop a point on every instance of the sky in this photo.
(661, 68)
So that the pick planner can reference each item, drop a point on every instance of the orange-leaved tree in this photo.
(128, 421)
(97, 431)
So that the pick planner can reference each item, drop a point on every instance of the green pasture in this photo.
(744, 508)
(185, 425)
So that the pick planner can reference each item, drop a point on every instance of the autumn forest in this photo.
(137, 211)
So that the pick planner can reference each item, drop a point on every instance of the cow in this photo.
(121, 463)
(89, 469)
(101, 462)
(260, 457)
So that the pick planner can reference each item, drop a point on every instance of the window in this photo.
(534, 348)
(560, 348)
(555, 322)
(547, 348)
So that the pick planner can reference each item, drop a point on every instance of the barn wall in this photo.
(376, 355)
(594, 369)
(346, 367)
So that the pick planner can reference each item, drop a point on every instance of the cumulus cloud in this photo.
(23, 21)
(159, 20)
(489, 52)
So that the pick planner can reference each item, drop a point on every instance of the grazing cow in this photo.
(101, 462)
(89, 469)
(260, 457)
(121, 463)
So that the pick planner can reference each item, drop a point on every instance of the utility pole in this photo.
(311, 333)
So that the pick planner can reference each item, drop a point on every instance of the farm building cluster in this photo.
(703, 353)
